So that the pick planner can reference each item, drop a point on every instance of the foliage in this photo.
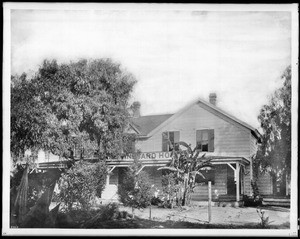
(255, 188)
(156, 201)
(128, 143)
(186, 164)
(275, 119)
(264, 221)
(37, 215)
(254, 200)
(87, 99)
(105, 213)
(135, 190)
(20, 206)
(37, 182)
(170, 187)
(82, 183)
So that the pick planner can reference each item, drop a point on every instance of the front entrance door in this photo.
(231, 186)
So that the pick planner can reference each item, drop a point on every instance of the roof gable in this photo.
(145, 124)
(149, 125)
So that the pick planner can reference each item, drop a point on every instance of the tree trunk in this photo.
(20, 206)
(185, 192)
(37, 215)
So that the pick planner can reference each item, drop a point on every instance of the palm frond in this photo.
(184, 144)
(196, 155)
(194, 173)
(171, 169)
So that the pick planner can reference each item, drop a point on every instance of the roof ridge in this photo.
(152, 115)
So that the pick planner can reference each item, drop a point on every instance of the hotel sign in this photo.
(149, 155)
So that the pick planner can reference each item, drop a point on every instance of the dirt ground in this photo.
(278, 216)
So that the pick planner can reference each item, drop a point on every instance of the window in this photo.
(170, 140)
(205, 140)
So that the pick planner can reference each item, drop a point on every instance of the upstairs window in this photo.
(205, 140)
(169, 140)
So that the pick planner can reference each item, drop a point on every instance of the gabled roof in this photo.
(148, 125)
(145, 124)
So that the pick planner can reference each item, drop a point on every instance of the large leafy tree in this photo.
(274, 153)
(82, 104)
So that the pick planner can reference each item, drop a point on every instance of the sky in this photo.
(176, 54)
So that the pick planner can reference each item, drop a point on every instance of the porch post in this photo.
(107, 179)
(243, 178)
(108, 174)
(237, 171)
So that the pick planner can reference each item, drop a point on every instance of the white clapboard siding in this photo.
(230, 139)
(253, 145)
(218, 188)
(247, 181)
(264, 184)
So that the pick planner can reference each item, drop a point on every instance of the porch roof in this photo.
(216, 160)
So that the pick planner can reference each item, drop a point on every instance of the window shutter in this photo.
(211, 139)
(165, 141)
(198, 139)
(132, 146)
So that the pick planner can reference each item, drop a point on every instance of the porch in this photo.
(231, 179)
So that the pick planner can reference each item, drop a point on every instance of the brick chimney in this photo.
(136, 109)
(213, 98)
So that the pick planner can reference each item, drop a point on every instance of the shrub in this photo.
(170, 189)
(256, 199)
(264, 221)
(105, 213)
(135, 190)
(81, 184)
(156, 201)
(251, 201)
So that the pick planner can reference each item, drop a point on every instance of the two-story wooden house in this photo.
(229, 141)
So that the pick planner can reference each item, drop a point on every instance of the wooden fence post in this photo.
(209, 201)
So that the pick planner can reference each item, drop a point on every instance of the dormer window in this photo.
(170, 140)
(205, 140)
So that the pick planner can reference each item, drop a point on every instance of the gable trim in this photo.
(211, 109)
(134, 128)
(223, 117)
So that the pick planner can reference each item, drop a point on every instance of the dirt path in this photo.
(220, 215)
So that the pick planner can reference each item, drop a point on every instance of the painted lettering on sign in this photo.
(149, 155)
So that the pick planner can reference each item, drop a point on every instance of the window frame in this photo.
(209, 142)
(165, 140)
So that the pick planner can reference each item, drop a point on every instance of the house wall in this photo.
(218, 188)
(247, 180)
(230, 138)
(253, 145)
(264, 184)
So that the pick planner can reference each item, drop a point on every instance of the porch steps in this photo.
(283, 202)
(228, 198)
